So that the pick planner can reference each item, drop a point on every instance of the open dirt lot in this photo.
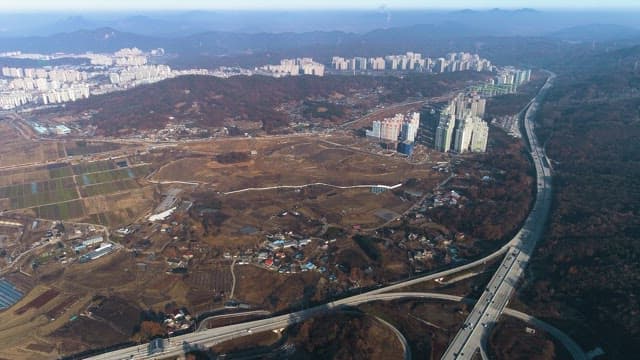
(287, 161)
(296, 161)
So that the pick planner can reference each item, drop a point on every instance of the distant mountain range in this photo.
(228, 43)
(440, 37)
(493, 22)
(596, 32)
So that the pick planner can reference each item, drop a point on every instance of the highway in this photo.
(477, 327)
(203, 323)
(178, 345)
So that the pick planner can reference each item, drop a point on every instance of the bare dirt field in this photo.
(295, 161)
(287, 161)
(17, 150)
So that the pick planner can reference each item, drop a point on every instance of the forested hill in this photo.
(586, 273)
(208, 101)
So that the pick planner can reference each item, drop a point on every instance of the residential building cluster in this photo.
(66, 94)
(460, 127)
(44, 85)
(21, 55)
(292, 67)
(14, 99)
(123, 69)
(131, 76)
(507, 81)
(401, 128)
(123, 57)
(412, 61)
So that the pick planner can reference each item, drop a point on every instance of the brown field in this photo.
(17, 150)
(20, 176)
(119, 208)
(295, 160)
(59, 309)
(54, 193)
(510, 340)
(40, 347)
(216, 280)
(17, 331)
(288, 161)
(38, 302)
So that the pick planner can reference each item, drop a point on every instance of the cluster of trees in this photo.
(512, 104)
(494, 208)
(587, 270)
(209, 101)
(232, 157)
(207, 210)
(343, 336)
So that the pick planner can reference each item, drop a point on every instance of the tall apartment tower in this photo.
(444, 131)
(463, 135)
(479, 137)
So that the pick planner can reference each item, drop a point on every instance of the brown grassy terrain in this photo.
(16, 150)
(344, 336)
(510, 340)
(427, 325)
(287, 161)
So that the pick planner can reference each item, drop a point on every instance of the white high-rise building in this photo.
(479, 137)
(463, 135)
(444, 131)
(375, 130)
(378, 64)
(410, 126)
(293, 67)
(398, 128)
(339, 63)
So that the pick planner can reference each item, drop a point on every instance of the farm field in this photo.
(68, 189)
(92, 167)
(39, 193)
(19, 151)
(91, 178)
(60, 211)
(84, 148)
(38, 302)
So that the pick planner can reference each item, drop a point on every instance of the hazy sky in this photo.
(35, 5)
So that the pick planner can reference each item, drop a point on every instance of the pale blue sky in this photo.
(114, 5)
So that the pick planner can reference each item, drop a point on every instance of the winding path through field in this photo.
(388, 187)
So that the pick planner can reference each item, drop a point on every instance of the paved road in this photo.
(203, 322)
(406, 349)
(476, 328)
(178, 345)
